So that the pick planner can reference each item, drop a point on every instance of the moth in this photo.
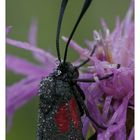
(61, 102)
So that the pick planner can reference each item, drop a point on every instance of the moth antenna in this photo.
(61, 14)
(83, 11)
(93, 80)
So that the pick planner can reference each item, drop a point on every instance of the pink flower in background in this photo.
(109, 101)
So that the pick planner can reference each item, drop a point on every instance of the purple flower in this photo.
(109, 100)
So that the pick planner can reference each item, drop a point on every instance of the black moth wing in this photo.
(45, 105)
(56, 97)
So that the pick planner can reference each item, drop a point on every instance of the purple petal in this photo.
(24, 45)
(17, 98)
(99, 67)
(106, 135)
(100, 136)
(8, 29)
(116, 34)
(85, 126)
(121, 134)
(94, 110)
(84, 53)
(117, 86)
(106, 107)
(23, 66)
(119, 117)
(46, 57)
(128, 18)
(121, 111)
(25, 86)
(104, 25)
(33, 41)
(33, 33)
(95, 91)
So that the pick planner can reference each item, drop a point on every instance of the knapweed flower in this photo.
(111, 101)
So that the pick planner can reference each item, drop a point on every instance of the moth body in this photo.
(59, 111)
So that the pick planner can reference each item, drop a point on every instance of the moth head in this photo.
(69, 70)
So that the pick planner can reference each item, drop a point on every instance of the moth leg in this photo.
(100, 78)
(79, 104)
(83, 106)
(87, 60)
(93, 80)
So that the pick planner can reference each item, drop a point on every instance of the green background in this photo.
(19, 14)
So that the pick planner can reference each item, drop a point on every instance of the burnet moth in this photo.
(61, 102)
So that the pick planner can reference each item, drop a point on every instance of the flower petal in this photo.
(47, 57)
(32, 38)
(85, 126)
(8, 29)
(84, 53)
(129, 15)
(94, 111)
(20, 93)
(104, 24)
(106, 107)
(121, 133)
(22, 66)
(121, 110)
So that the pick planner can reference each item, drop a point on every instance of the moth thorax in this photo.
(69, 70)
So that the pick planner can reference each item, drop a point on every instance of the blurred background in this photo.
(19, 14)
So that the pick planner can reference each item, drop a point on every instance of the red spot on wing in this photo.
(62, 119)
(67, 114)
(74, 112)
